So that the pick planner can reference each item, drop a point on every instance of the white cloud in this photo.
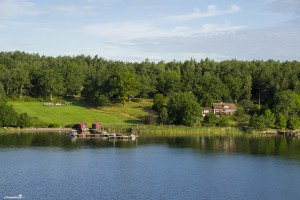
(16, 8)
(139, 29)
(211, 11)
(13, 8)
(284, 6)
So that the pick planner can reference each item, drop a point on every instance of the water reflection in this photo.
(276, 146)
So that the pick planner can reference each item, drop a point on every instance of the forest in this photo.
(267, 93)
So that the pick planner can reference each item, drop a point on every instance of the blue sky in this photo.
(133, 30)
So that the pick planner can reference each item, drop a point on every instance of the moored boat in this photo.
(72, 133)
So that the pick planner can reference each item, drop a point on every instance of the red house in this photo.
(82, 126)
(97, 125)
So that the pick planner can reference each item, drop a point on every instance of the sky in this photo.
(158, 30)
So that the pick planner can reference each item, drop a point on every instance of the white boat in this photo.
(72, 133)
(112, 135)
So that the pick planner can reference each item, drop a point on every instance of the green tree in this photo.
(2, 93)
(269, 118)
(51, 83)
(158, 102)
(258, 122)
(287, 103)
(20, 79)
(281, 121)
(8, 116)
(163, 116)
(169, 82)
(183, 109)
(24, 120)
(73, 79)
(123, 84)
(293, 123)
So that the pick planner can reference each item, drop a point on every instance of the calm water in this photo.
(51, 166)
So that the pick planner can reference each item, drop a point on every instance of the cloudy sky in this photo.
(133, 30)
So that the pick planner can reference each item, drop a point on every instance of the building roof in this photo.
(224, 106)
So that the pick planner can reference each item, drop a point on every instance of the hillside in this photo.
(115, 114)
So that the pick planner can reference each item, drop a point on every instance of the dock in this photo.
(103, 135)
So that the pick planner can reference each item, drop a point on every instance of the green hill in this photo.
(115, 114)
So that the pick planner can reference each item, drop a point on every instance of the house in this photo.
(206, 111)
(220, 109)
(97, 125)
(224, 108)
(82, 126)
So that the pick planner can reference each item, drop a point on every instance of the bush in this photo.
(293, 123)
(150, 119)
(37, 123)
(210, 120)
(24, 120)
(223, 121)
(53, 125)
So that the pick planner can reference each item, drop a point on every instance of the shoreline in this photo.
(169, 130)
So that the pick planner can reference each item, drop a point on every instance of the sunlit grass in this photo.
(116, 114)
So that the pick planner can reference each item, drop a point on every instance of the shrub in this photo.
(53, 125)
(293, 123)
(150, 119)
(24, 120)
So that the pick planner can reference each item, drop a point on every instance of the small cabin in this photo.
(97, 125)
(82, 126)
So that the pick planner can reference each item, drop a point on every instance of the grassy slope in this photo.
(117, 114)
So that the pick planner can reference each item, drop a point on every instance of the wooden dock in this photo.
(106, 136)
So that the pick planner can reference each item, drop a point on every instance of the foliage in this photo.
(24, 120)
(210, 120)
(8, 116)
(163, 116)
(287, 103)
(150, 119)
(158, 102)
(183, 109)
(2, 93)
(223, 121)
(258, 122)
(269, 118)
(281, 121)
(274, 85)
(293, 123)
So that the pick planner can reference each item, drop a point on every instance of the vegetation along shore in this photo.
(58, 92)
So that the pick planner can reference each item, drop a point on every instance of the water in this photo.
(51, 166)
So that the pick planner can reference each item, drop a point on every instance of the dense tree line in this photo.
(261, 88)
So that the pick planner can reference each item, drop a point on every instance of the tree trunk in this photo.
(51, 96)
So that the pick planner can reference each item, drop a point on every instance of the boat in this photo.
(72, 133)
(112, 135)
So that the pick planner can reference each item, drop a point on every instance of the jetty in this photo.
(81, 130)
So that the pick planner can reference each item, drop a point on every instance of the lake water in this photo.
(52, 166)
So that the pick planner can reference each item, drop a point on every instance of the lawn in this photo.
(116, 114)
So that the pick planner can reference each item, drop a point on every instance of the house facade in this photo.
(220, 109)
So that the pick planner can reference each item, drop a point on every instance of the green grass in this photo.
(183, 130)
(116, 114)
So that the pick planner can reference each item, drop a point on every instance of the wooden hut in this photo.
(82, 126)
(97, 125)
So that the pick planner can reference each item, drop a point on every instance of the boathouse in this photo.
(82, 126)
(97, 125)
